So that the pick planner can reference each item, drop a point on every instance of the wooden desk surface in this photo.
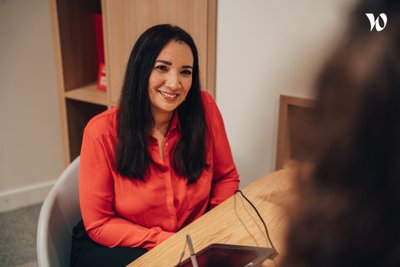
(234, 222)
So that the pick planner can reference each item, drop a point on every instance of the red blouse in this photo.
(118, 211)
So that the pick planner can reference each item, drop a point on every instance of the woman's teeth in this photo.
(168, 95)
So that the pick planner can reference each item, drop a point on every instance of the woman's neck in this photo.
(161, 122)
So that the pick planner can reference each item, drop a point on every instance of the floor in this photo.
(18, 237)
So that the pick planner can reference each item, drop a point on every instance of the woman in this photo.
(155, 163)
(349, 208)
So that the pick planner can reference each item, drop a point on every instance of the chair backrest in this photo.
(60, 212)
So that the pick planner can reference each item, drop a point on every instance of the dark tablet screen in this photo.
(224, 255)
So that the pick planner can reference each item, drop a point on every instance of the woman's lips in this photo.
(168, 96)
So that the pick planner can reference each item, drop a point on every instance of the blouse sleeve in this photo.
(96, 200)
(225, 175)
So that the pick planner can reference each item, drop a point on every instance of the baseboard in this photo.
(24, 196)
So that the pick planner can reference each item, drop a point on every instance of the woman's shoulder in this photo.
(210, 107)
(207, 97)
(103, 123)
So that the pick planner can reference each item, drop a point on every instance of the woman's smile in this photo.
(169, 96)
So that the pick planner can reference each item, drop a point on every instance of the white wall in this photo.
(266, 48)
(30, 134)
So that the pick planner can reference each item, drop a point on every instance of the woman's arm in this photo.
(225, 175)
(96, 188)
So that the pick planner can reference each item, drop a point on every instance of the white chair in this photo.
(60, 212)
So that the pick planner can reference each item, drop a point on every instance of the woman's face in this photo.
(171, 77)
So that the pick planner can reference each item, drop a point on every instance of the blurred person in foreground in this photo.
(350, 204)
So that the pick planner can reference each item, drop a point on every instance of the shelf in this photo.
(89, 94)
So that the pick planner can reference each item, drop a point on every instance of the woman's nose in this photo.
(172, 80)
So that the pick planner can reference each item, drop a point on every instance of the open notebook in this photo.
(224, 255)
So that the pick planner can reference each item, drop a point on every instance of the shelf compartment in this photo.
(78, 115)
(77, 41)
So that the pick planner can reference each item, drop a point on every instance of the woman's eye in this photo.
(187, 72)
(162, 68)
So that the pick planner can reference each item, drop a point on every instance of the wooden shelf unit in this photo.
(123, 21)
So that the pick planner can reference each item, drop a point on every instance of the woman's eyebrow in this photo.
(164, 61)
(170, 63)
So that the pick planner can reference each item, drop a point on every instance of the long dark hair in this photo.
(347, 213)
(135, 121)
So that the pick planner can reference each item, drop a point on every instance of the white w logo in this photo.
(375, 22)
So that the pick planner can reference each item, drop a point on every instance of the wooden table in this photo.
(234, 222)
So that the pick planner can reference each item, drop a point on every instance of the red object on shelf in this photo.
(102, 78)
(102, 75)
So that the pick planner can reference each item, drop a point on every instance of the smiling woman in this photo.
(156, 162)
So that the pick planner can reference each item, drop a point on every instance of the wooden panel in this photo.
(211, 47)
(125, 20)
(60, 78)
(293, 111)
